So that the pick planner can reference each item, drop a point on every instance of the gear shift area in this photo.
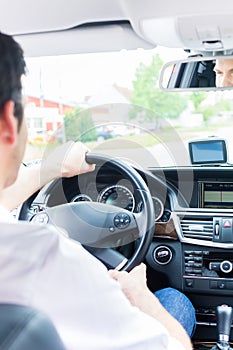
(224, 315)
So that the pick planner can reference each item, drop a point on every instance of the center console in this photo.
(198, 258)
(208, 279)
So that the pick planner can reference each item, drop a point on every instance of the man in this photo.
(224, 72)
(42, 268)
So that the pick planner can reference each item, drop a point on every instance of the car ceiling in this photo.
(69, 26)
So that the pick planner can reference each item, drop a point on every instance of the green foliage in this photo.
(217, 109)
(79, 126)
(197, 98)
(208, 112)
(223, 105)
(149, 102)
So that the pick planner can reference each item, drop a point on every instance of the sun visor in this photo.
(108, 37)
(200, 33)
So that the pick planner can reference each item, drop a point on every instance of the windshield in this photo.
(111, 102)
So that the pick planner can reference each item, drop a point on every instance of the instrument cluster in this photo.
(122, 197)
(109, 188)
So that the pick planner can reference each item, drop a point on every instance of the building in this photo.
(44, 119)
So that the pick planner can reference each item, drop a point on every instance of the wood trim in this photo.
(166, 229)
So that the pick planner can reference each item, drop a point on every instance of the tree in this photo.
(79, 126)
(197, 98)
(218, 109)
(149, 102)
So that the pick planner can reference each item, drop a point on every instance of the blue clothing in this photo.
(179, 306)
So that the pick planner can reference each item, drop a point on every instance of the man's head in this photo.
(13, 132)
(224, 72)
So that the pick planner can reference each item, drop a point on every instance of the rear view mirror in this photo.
(198, 73)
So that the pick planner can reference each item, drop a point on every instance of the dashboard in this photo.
(194, 191)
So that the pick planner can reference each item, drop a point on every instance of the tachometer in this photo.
(158, 207)
(117, 195)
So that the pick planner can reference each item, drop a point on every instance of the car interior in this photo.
(162, 189)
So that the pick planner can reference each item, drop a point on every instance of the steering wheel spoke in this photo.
(94, 224)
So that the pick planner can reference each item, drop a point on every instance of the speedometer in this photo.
(119, 196)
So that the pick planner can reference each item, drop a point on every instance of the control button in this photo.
(121, 220)
(221, 284)
(188, 269)
(227, 223)
(217, 229)
(189, 252)
(226, 266)
(213, 285)
(189, 282)
(197, 258)
(230, 285)
(197, 265)
(206, 252)
(189, 258)
(41, 218)
(214, 266)
(189, 263)
(162, 255)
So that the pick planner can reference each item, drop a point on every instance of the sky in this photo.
(75, 76)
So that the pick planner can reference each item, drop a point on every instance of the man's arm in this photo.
(134, 286)
(64, 161)
(76, 291)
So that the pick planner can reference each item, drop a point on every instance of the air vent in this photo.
(197, 228)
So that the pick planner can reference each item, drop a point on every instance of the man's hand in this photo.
(66, 160)
(134, 286)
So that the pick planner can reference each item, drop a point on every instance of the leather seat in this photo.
(25, 328)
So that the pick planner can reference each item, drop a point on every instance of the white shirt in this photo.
(42, 268)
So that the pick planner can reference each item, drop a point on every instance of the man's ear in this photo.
(8, 123)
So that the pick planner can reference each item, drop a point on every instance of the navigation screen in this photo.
(216, 195)
(208, 151)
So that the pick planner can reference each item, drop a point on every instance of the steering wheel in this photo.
(100, 227)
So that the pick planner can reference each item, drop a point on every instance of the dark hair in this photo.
(12, 67)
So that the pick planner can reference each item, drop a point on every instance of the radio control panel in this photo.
(208, 270)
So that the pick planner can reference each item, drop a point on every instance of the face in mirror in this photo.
(224, 72)
(198, 73)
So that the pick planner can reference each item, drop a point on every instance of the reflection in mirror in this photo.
(224, 72)
(198, 73)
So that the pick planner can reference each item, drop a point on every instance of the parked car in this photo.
(104, 133)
